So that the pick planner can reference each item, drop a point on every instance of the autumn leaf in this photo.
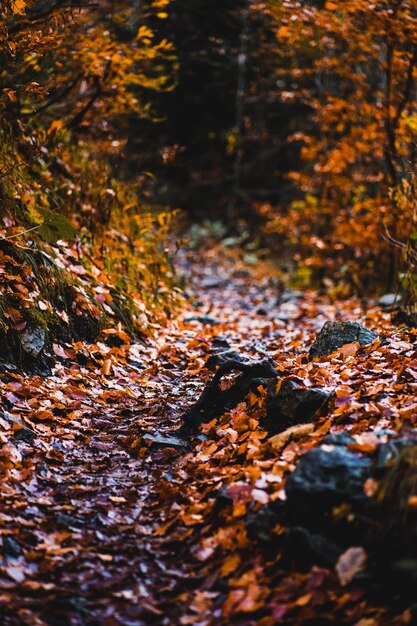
(293, 432)
(349, 349)
(55, 126)
(55, 226)
(350, 563)
(10, 93)
(18, 6)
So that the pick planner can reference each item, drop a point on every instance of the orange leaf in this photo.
(349, 349)
(107, 367)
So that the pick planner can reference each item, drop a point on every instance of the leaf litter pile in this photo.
(229, 469)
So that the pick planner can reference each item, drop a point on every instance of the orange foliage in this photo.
(354, 65)
(72, 79)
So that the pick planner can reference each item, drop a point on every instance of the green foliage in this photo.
(55, 227)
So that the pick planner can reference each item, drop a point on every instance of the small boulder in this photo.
(220, 342)
(334, 335)
(223, 356)
(33, 340)
(339, 439)
(389, 300)
(205, 320)
(293, 404)
(288, 295)
(309, 548)
(404, 318)
(324, 478)
(330, 513)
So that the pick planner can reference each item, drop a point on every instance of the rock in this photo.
(206, 320)
(330, 521)
(339, 439)
(389, 300)
(312, 548)
(324, 478)
(331, 475)
(220, 342)
(221, 357)
(69, 521)
(159, 439)
(214, 283)
(11, 547)
(20, 432)
(214, 401)
(334, 335)
(9, 367)
(25, 434)
(136, 365)
(405, 318)
(293, 404)
(291, 296)
(260, 524)
(32, 341)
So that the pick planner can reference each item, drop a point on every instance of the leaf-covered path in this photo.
(109, 518)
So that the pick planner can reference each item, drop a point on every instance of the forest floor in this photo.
(108, 517)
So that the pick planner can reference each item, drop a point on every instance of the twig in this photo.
(22, 232)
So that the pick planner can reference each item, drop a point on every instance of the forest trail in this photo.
(107, 516)
(221, 445)
(85, 552)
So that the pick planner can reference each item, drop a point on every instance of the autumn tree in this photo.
(72, 75)
(354, 65)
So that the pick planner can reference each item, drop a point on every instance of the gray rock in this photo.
(389, 300)
(324, 478)
(20, 432)
(291, 296)
(220, 342)
(11, 547)
(221, 357)
(214, 283)
(334, 335)
(159, 439)
(32, 341)
(293, 404)
(206, 320)
(308, 547)
(339, 439)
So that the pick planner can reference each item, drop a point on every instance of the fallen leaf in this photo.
(350, 563)
(293, 432)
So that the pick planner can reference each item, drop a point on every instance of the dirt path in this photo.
(78, 512)
(107, 520)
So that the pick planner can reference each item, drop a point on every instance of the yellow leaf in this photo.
(144, 33)
(18, 7)
(294, 432)
(55, 126)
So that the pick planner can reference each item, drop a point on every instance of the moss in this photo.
(42, 319)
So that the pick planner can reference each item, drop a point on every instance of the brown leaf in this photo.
(293, 432)
(350, 563)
